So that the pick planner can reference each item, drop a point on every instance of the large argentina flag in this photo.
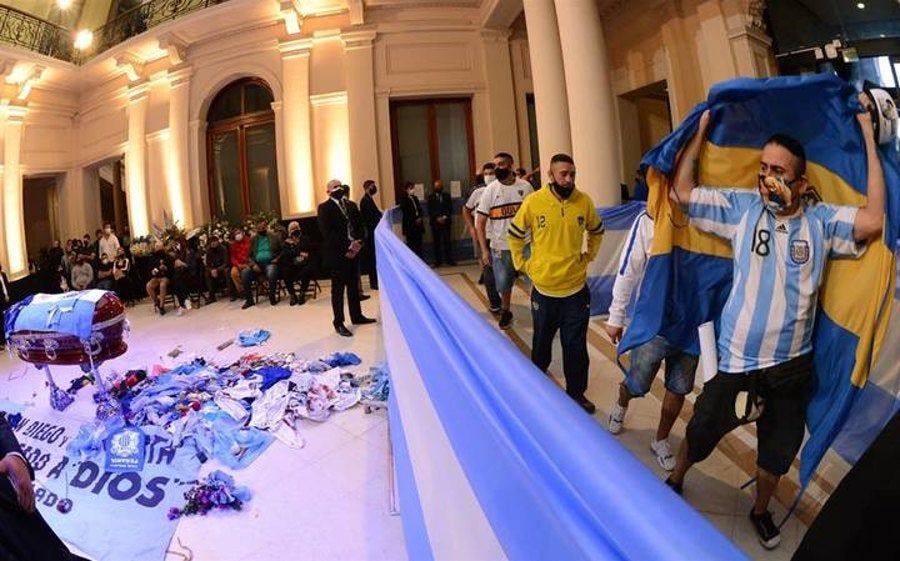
(601, 272)
(493, 461)
(689, 273)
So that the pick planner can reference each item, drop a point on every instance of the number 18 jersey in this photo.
(779, 264)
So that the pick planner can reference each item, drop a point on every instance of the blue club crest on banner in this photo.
(125, 450)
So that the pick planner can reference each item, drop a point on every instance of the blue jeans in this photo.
(646, 360)
(504, 272)
(248, 275)
(570, 316)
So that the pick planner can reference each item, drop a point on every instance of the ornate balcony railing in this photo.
(34, 34)
(143, 17)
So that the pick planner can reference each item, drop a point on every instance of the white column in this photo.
(551, 104)
(280, 159)
(177, 172)
(591, 111)
(359, 77)
(197, 165)
(500, 93)
(297, 138)
(136, 160)
(13, 210)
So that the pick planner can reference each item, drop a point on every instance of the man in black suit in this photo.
(412, 219)
(371, 216)
(5, 302)
(440, 211)
(340, 225)
(24, 534)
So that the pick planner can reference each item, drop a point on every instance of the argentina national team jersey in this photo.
(778, 267)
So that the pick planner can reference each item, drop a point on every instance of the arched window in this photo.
(240, 141)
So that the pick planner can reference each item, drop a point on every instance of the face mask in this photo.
(438, 189)
(488, 179)
(238, 237)
(563, 192)
(502, 173)
(373, 190)
(108, 230)
(337, 194)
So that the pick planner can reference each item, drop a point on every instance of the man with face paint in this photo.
(498, 205)
(557, 219)
(371, 216)
(781, 246)
(343, 240)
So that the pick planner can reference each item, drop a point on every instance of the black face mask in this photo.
(373, 190)
(337, 194)
(502, 173)
(563, 192)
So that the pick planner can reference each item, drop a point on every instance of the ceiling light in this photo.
(64, 4)
(860, 5)
(83, 39)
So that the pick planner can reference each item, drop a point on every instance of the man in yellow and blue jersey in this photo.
(558, 219)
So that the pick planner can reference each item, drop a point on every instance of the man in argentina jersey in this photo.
(781, 245)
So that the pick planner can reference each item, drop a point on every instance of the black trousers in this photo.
(293, 272)
(345, 275)
(569, 316)
(27, 537)
(442, 243)
(414, 241)
(367, 261)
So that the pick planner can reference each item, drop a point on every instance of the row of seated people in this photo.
(233, 266)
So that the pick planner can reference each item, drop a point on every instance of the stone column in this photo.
(13, 209)
(551, 104)
(591, 111)
(359, 77)
(177, 172)
(296, 115)
(136, 160)
(501, 95)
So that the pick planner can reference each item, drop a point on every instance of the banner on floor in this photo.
(488, 448)
(114, 515)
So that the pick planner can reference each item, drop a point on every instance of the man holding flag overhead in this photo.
(781, 245)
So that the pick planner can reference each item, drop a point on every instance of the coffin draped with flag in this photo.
(688, 275)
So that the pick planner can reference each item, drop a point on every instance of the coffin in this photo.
(67, 329)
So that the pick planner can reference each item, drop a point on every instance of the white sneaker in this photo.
(187, 304)
(663, 453)
(616, 418)
(179, 311)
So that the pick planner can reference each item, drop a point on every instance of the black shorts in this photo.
(780, 394)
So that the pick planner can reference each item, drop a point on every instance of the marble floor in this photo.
(331, 499)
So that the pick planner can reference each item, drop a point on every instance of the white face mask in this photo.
(238, 237)
(488, 179)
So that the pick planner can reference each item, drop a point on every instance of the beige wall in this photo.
(691, 44)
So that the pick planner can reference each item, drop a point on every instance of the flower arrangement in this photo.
(216, 492)
(142, 246)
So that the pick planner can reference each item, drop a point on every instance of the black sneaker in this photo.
(766, 530)
(677, 487)
(505, 319)
(585, 404)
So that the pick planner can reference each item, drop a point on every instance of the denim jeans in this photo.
(248, 275)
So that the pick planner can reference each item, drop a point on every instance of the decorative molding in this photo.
(756, 10)
(331, 98)
(454, 57)
(179, 76)
(495, 35)
(753, 33)
(131, 65)
(15, 115)
(357, 12)
(295, 47)
(138, 92)
(359, 39)
(291, 16)
(161, 135)
(175, 47)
